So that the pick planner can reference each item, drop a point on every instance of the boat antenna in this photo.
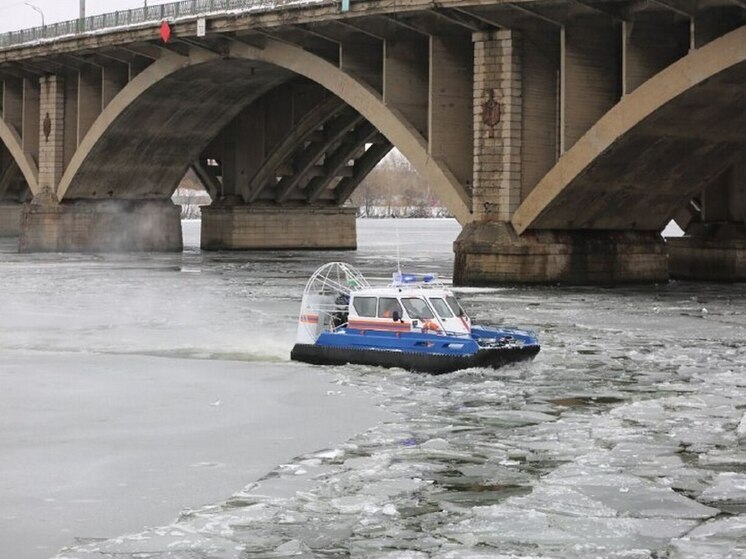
(398, 255)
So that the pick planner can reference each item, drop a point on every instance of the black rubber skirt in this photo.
(419, 362)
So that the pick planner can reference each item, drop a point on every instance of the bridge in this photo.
(562, 134)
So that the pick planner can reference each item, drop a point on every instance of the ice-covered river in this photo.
(135, 375)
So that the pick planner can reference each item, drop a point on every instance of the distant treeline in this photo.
(394, 189)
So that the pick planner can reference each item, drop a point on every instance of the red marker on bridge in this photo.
(165, 31)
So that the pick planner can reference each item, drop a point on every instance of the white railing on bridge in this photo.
(135, 16)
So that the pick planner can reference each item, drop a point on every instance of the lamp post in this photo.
(82, 9)
(36, 9)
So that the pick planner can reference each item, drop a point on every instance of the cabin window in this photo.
(387, 306)
(441, 308)
(455, 307)
(417, 308)
(365, 306)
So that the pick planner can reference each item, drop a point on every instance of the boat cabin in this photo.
(406, 309)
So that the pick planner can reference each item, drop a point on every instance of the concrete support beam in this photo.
(71, 117)
(540, 85)
(137, 66)
(491, 253)
(241, 151)
(648, 46)
(406, 78)
(336, 162)
(89, 98)
(13, 103)
(364, 165)
(101, 226)
(207, 178)
(257, 228)
(228, 161)
(113, 79)
(305, 126)
(709, 24)
(590, 76)
(334, 131)
(450, 129)
(30, 120)
(362, 56)
(280, 116)
(497, 119)
(51, 133)
(249, 145)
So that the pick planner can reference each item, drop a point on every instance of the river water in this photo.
(625, 437)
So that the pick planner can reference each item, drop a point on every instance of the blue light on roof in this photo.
(405, 279)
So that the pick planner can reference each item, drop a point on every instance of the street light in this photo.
(36, 9)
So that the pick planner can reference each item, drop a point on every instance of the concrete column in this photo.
(101, 226)
(714, 248)
(89, 99)
(450, 130)
(249, 146)
(113, 80)
(236, 227)
(405, 78)
(279, 116)
(71, 117)
(30, 118)
(648, 46)
(13, 103)
(51, 133)
(540, 84)
(709, 24)
(362, 56)
(497, 124)
(590, 76)
(228, 161)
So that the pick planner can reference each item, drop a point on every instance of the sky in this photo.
(17, 14)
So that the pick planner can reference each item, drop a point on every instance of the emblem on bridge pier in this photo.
(491, 112)
(47, 127)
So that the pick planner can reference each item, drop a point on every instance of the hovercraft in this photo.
(415, 323)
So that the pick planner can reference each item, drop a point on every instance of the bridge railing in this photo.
(126, 18)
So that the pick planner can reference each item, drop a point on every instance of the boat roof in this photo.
(403, 291)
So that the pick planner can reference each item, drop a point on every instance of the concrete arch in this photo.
(25, 162)
(162, 138)
(300, 62)
(652, 151)
(368, 103)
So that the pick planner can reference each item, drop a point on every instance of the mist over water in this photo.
(625, 437)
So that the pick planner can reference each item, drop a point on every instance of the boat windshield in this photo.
(417, 308)
(441, 307)
(455, 306)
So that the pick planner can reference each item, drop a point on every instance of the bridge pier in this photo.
(100, 226)
(489, 253)
(10, 219)
(714, 247)
(245, 227)
(713, 252)
(517, 143)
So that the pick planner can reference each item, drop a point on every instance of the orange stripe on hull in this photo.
(387, 326)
